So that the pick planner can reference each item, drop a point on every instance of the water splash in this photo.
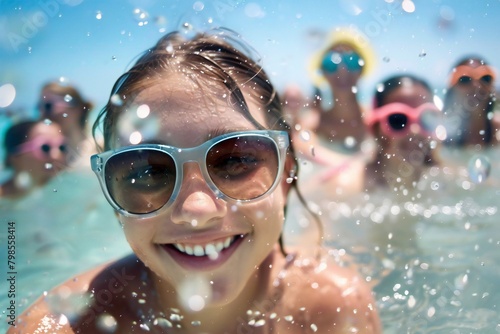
(106, 323)
(195, 292)
(141, 17)
(479, 169)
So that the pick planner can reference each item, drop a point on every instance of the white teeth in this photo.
(219, 246)
(211, 250)
(198, 250)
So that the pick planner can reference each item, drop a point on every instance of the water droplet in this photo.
(253, 10)
(479, 168)
(135, 138)
(314, 328)
(422, 54)
(116, 100)
(106, 323)
(7, 95)
(65, 115)
(48, 165)
(98, 15)
(194, 291)
(196, 303)
(141, 16)
(386, 59)
(350, 142)
(305, 135)
(408, 6)
(54, 190)
(161, 22)
(162, 323)
(113, 57)
(68, 98)
(47, 121)
(198, 6)
(143, 111)
(260, 323)
(144, 327)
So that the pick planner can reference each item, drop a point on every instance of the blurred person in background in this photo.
(36, 152)
(469, 104)
(64, 104)
(403, 123)
(338, 68)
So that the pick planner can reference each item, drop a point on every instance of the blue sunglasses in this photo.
(351, 60)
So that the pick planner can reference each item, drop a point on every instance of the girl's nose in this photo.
(196, 203)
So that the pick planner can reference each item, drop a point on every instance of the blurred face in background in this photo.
(42, 155)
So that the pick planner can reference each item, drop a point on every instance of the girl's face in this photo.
(344, 77)
(187, 116)
(43, 154)
(474, 93)
(60, 109)
(412, 95)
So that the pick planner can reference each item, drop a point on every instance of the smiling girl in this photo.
(198, 165)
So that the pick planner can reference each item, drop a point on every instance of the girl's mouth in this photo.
(203, 256)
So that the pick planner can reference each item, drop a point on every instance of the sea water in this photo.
(62, 229)
(432, 254)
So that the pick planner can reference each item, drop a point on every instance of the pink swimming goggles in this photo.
(42, 146)
(397, 119)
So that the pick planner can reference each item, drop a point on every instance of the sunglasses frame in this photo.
(476, 73)
(344, 59)
(197, 154)
(35, 146)
(381, 115)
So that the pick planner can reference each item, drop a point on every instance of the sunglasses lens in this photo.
(330, 63)
(244, 167)
(397, 121)
(45, 148)
(47, 108)
(140, 181)
(353, 62)
(464, 80)
(487, 79)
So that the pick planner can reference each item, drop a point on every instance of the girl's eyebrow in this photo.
(222, 131)
(212, 134)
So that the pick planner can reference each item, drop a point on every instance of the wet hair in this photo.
(16, 135)
(460, 136)
(209, 61)
(391, 83)
(470, 58)
(77, 99)
(218, 58)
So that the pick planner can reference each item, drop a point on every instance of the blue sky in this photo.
(92, 42)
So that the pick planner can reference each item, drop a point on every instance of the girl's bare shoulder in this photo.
(80, 299)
